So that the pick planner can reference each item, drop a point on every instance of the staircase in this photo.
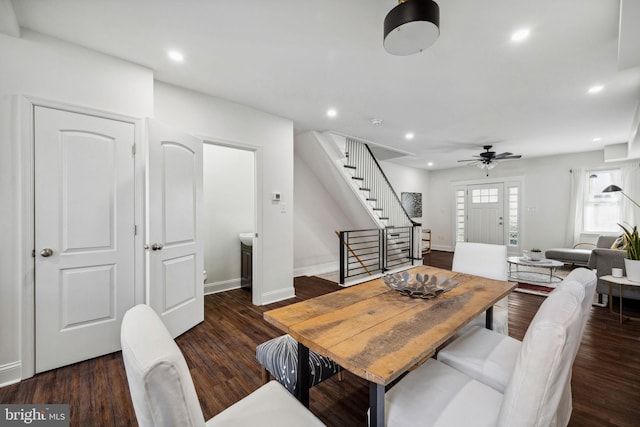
(371, 182)
(391, 240)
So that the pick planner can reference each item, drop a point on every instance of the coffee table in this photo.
(543, 263)
(379, 334)
(620, 281)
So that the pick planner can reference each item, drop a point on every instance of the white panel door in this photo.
(486, 214)
(84, 235)
(174, 238)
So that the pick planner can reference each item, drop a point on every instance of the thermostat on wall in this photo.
(275, 197)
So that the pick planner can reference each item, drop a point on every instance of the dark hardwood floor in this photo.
(221, 355)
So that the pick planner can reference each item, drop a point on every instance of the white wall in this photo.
(409, 180)
(228, 210)
(546, 189)
(46, 68)
(317, 217)
(220, 120)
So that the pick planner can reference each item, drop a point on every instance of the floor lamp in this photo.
(615, 188)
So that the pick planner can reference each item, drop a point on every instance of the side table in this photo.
(620, 281)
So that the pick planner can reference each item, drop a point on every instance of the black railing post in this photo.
(383, 249)
(343, 259)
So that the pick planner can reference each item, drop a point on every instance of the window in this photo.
(601, 211)
(459, 201)
(484, 195)
(514, 233)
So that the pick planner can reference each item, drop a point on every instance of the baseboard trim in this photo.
(222, 286)
(10, 373)
(279, 295)
(314, 270)
(442, 248)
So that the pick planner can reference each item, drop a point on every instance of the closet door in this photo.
(174, 221)
(84, 234)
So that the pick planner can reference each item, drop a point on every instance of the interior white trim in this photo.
(314, 270)
(279, 295)
(10, 373)
(221, 286)
(257, 296)
(23, 133)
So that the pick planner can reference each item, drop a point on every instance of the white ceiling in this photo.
(297, 58)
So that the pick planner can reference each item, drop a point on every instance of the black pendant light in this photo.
(411, 27)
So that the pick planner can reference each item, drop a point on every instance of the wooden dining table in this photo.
(378, 333)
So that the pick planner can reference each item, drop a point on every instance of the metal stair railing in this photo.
(369, 176)
(367, 252)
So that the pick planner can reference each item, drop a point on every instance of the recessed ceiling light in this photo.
(597, 139)
(430, 164)
(409, 135)
(376, 122)
(520, 35)
(332, 112)
(595, 89)
(176, 56)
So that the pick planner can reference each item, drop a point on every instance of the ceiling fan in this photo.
(488, 159)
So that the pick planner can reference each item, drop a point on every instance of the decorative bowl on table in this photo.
(535, 255)
(418, 286)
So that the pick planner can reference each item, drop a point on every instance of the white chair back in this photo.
(589, 280)
(481, 259)
(484, 260)
(543, 369)
(159, 380)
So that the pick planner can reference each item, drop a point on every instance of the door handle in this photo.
(46, 252)
(156, 247)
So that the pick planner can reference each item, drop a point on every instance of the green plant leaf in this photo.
(631, 241)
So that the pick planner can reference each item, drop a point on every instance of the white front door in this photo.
(485, 213)
(84, 235)
(174, 234)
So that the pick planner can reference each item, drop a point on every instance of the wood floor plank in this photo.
(220, 353)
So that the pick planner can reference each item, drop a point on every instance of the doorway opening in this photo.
(230, 210)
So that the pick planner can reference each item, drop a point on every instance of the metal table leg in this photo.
(489, 318)
(376, 404)
(302, 393)
(620, 298)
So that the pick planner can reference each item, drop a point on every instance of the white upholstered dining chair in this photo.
(490, 357)
(490, 261)
(163, 393)
(438, 395)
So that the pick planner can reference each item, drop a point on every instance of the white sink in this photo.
(246, 238)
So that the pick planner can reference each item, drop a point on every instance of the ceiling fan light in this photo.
(411, 27)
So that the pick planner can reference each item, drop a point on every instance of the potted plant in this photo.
(631, 239)
(535, 254)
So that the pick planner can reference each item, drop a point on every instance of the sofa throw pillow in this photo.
(618, 243)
